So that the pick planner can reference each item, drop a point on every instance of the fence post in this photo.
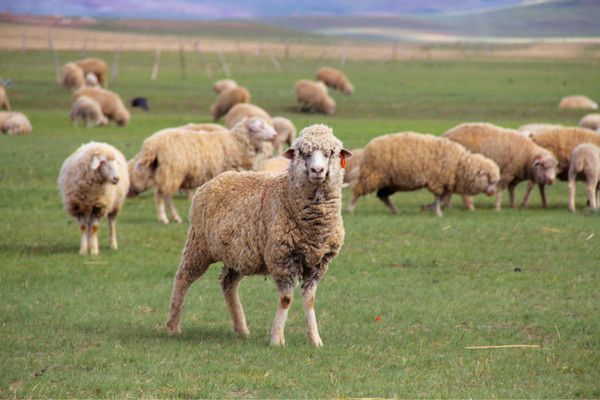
(54, 57)
(182, 60)
(154, 73)
(114, 73)
(224, 64)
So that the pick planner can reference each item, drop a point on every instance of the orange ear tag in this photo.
(343, 160)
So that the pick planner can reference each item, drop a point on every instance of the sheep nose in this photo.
(115, 180)
(317, 170)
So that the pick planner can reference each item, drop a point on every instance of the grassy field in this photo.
(405, 297)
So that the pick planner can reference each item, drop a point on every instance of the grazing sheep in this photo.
(335, 79)
(93, 183)
(312, 96)
(410, 161)
(585, 165)
(14, 123)
(578, 102)
(204, 127)
(245, 110)
(352, 172)
(223, 85)
(174, 159)
(4, 103)
(73, 77)
(110, 102)
(97, 67)
(530, 129)
(288, 226)
(591, 121)
(518, 157)
(286, 133)
(228, 99)
(89, 111)
(561, 142)
(275, 164)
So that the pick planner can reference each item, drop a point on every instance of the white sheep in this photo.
(577, 102)
(89, 111)
(585, 165)
(591, 121)
(93, 183)
(288, 226)
(14, 123)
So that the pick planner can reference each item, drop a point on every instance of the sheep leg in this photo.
(468, 202)
(437, 206)
(112, 231)
(571, 186)
(230, 281)
(530, 185)
(498, 202)
(352, 203)
(511, 195)
(93, 237)
(160, 208)
(194, 264)
(384, 195)
(286, 295)
(83, 227)
(591, 187)
(172, 209)
(308, 299)
(543, 195)
(447, 200)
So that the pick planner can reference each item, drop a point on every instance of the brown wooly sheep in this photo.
(585, 165)
(89, 111)
(4, 103)
(97, 67)
(561, 142)
(14, 123)
(335, 79)
(110, 102)
(286, 133)
(174, 159)
(352, 172)
(577, 102)
(245, 110)
(591, 121)
(288, 226)
(228, 99)
(312, 96)
(517, 156)
(223, 85)
(73, 77)
(410, 161)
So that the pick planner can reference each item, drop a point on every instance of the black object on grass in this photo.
(140, 102)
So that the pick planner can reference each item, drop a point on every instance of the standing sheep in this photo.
(518, 157)
(174, 159)
(73, 77)
(223, 85)
(4, 103)
(89, 111)
(245, 110)
(97, 67)
(335, 79)
(110, 102)
(288, 226)
(286, 133)
(228, 99)
(14, 123)
(591, 121)
(585, 164)
(93, 183)
(577, 102)
(352, 172)
(312, 96)
(411, 161)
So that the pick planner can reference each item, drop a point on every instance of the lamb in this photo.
(228, 99)
(93, 183)
(223, 85)
(312, 96)
(585, 164)
(275, 164)
(110, 102)
(14, 123)
(518, 157)
(174, 159)
(288, 226)
(577, 102)
(529, 129)
(73, 77)
(243, 110)
(409, 161)
(89, 111)
(352, 172)
(97, 67)
(335, 79)
(4, 103)
(286, 132)
(591, 121)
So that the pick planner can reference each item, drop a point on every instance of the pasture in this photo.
(399, 305)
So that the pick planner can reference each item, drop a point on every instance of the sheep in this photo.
(93, 183)
(335, 79)
(97, 67)
(242, 110)
(591, 121)
(529, 129)
(312, 96)
(585, 163)
(352, 171)
(4, 103)
(73, 77)
(409, 161)
(14, 123)
(518, 157)
(286, 133)
(275, 164)
(91, 80)
(110, 102)
(561, 142)
(577, 102)
(228, 99)
(288, 226)
(89, 111)
(174, 159)
(223, 85)
(203, 127)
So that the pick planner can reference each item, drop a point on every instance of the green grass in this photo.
(74, 326)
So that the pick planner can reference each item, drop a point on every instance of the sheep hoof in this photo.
(164, 220)
(83, 252)
(243, 333)
(277, 341)
(178, 220)
(173, 330)
(316, 342)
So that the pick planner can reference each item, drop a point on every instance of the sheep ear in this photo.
(289, 153)
(345, 153)
(256, 125)
(95, 164)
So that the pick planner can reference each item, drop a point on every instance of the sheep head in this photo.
(543, 168)
(106, 168)
(477, 174)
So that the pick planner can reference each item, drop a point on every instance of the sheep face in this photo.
(122, 117)
(102, 120)
(108, 169)
(258, 129)
(328, 105)
(543, 169)
(484, 176)
(140, 178)
(347, 88)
